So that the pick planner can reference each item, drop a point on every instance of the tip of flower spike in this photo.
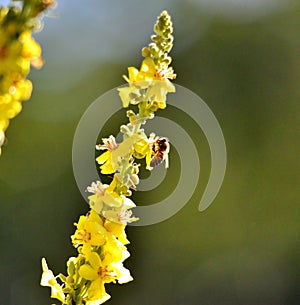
(164, 13)
(162, 41)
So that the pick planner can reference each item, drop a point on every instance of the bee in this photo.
(160, 149)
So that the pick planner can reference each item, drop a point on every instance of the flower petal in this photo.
(103, 157)
(112, 199)
(96, 202)
(88, 273)
(97, 291)
(95, 260)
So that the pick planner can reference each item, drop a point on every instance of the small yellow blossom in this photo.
(114, 250)
(103, 271)
(150, 77)
(105, 159)
(109, 160)
(100, 272)
(117, 229)
(90, 232)
(49, 280)
(105, 198)
(146, 74)
(143, 149)
(122, 215)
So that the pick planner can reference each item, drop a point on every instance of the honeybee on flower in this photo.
(160, 150)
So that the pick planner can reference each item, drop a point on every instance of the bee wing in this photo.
(155, 161)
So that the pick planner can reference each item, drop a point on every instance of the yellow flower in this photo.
(103, 195)
(95, 272)
(105, 159)
(146, 74)
(137, 80)
(31, 49)
(143, 149)
(149, 77)
(105, 198)
(100, 272)
(90, 232)
(49, 280)
(109, 160)
(157, 92)
(122, 215)
(114, 250)
(117, 229)
(96, 200)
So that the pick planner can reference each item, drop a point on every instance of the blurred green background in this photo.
(242, 58)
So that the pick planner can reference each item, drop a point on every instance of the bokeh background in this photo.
(242, 58)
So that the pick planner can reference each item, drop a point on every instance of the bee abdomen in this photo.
(156, 161)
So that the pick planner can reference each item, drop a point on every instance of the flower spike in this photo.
(100, 237)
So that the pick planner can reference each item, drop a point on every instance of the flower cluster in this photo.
(100, 237)
(101, 252)
(18, 51)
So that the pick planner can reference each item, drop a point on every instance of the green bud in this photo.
(145, 52)
(62, 277)
(71, 268)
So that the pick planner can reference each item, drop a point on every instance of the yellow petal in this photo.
(117, 229)
(112, 199)
(97, 240)
(128, 203)
(88, 273)
(99, 301)
(94, 217)
(57, 293)
(148, 66)
(124, 94)
(47, 275)
(141, 147)
(148, 161)
(123, 149)
(132, 73)
(103, 157)
(107, 168)
(95, 260)
(97, 292)
(81, 222)
(96, 202)
(49, 280)
(112, 185)
(123, 273)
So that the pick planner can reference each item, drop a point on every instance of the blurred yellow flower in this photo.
(18, 51)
